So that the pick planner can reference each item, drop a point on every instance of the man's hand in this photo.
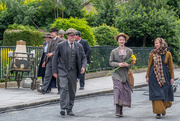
(44, 64)
(55, 75)
(49, 55)
(82, 70)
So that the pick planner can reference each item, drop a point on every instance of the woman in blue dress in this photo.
(160, 76)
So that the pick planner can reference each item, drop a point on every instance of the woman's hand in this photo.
(147, 79)
(123, 64)
(172, 81)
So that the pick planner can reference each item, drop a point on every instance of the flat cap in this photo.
(71, 31)
(61, 31)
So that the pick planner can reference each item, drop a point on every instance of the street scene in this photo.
(89, 60)
(96, 108)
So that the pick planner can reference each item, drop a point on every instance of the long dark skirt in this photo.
(122, 93)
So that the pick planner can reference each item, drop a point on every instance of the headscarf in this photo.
(158, 68)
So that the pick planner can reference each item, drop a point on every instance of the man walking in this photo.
(87, 51)
(61, 34)
(48, 61)
(71, 64)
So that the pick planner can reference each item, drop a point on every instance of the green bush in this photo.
(105, 35)
(32, 38)
(78, 24)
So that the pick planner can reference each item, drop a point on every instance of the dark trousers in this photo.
(82, 80)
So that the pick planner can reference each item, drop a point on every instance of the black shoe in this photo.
(48, 91)
(62, 112)
(164, 114)
(70, 113)
(158, 116)
(81, 88)
(41, 91)
(58, 92)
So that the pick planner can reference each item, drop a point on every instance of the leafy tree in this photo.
(105, 35)
(107, 11)
(78, 24)
(175, 5)
(144, 21)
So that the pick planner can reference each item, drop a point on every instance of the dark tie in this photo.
(71, 46)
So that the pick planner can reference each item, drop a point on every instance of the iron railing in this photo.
(99, 57)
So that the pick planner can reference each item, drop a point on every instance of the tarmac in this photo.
(16, 98)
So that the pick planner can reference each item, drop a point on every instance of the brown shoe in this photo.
(117, 110)
(121, 112)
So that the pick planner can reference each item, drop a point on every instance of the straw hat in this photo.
(47, 36)
(121, 34)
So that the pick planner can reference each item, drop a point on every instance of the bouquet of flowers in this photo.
(131, 60)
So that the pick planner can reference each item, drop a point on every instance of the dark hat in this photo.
(78, 33)
(54, 30)
(71, 31)
(121, 34)
(47, 36)
(61, 31)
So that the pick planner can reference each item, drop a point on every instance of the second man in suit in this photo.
(87, 51)
(48, 61)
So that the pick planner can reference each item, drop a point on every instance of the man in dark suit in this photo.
(87, 51)
(48, 61)
(69, 62)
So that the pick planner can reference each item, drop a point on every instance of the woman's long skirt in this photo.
(122, 93)
(161, 97)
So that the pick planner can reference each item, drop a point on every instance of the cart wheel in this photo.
(7, 76)
(18, 80)
(34, 79)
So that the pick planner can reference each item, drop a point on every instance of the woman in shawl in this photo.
(160, 76)
(122, 88)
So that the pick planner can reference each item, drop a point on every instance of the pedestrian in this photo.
(72, 63)
(179, 51)
(160, 76)
(121, 85)
(49, 80)
(87, 51)
(41, 70)
(61, 34)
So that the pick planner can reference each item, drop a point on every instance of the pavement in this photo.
(14, 98)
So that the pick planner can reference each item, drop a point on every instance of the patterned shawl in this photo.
(158, 68)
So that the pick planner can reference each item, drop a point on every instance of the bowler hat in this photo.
(71, 31)
(47, 36)
(61, 31)
(54, 30)
(121, 34)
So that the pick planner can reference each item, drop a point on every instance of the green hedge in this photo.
(32, 38)
(78, 24)
(105, 35)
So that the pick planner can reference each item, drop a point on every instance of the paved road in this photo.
(97, 108)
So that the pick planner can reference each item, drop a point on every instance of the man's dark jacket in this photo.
(87, 49)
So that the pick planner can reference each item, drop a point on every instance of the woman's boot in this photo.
(121, 111)
(117, 110)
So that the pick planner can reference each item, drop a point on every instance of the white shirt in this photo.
(70, 44)
(45, 48)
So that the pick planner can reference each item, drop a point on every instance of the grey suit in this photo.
(48, 73)
(68, 63)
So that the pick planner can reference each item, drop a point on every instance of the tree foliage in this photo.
(105, 35)
(78, 24)
(144, 21)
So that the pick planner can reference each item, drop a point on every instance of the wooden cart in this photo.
(21, 66)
